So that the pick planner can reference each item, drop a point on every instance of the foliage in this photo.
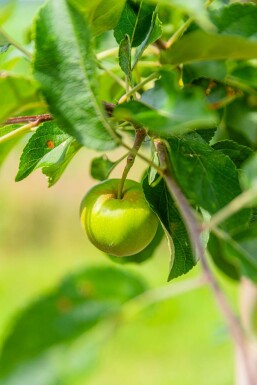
(100, 71)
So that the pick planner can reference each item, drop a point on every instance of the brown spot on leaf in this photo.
(64, 304)
(50, 144)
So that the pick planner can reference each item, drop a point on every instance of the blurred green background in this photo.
(180, 341)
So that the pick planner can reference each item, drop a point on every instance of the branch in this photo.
(109, 107)
(194, 232)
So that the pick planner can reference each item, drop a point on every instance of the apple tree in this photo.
(173, 83)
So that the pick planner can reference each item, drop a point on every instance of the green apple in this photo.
(119, 227)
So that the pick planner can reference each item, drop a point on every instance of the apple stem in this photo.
(139, 138)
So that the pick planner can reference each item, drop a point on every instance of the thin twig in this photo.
(194, 232)
(15, 44)
(154, 75)
(140, 134)
(19, 131)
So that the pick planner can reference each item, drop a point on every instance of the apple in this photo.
(120, 227)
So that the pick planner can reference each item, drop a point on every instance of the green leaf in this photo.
(125, 57)
(6, 147)
(6, 9)
(167, 110)
(101, 167)
(66, 70)
(236, 152)
(66, 152)
(144, 254)
(182, 259)
(102, 15)
(240, 120)
(239, 252)
(193, 8)
(17, 93)
(248, 174)
(207, 177)
(135, 21)
(215, 70)
(245, 73)
(236, 19)
(46, 147)
(228, 265)
(74, 308)
(202, 46)
(154, 33)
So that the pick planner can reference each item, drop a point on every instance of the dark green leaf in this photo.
(224, 262)
(101, 167)
(207, 177)
(237, 153)
(102, 15)
(236, 19)
(215, 70)
(182, 259)
(125, 57)
(135, 21)
(81, 302)
(154, 33)
(167, 110)
(248, 177)
(46, 147)
(240, 120)
(144, 254)
(244, 73)
(202, 46)
(239, 252)
(66, 70)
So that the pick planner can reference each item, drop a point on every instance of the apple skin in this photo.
(120, 227)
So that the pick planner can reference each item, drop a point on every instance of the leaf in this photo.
(45, 147)
(228, 265)
(154, 33)
(54, 171)
(135, 21)
(6, 147)
(125, 57)
(17, 93)
(236, 19)
(6, 9)
(245, 73)
(167, 110)
(66, 70)
(160, 201)
(193, 8)
(215, 70)
(239, 251)
(236, 152)
(202, 46)
(74, 308)
(101, 167)
(102, 15)
(248, 174)
(144, 254)
(207, 177)
(240, 122)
